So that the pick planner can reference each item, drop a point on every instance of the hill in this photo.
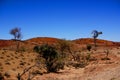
(13, 62)
(41, 40)
(98, 41)
(50, 40)
(6, 43)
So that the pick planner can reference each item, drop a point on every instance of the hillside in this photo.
(5, 43)
(12, 62)
(98, 41)
(42, 40)
(49, 40)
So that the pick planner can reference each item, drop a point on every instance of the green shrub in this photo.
(89, 47)
(52, 58)
(37, 49)
(88, 56)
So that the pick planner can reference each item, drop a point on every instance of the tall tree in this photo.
(16, 32)
(95, 35)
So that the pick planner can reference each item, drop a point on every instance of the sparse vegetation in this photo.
(88, 57)
(53, 59)
(37, 49)
(89, 47)
(61, 57)
(31, 75)
(63, 45)
(107, 52)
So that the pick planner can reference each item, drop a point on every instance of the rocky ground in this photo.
(13, 63)
(97, 70)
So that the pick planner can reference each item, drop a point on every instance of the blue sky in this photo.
(69, 19)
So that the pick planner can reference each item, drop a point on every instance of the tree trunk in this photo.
(95, 42)
(17, 45)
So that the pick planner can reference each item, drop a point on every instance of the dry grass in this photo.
(12, 62)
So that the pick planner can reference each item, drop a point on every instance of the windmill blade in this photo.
(99, 32)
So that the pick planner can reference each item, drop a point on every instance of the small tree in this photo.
(37, 49)
(16, 32)
(88, 47)
(66, 46)
(63, 46)
(95, 35)
(53, 60)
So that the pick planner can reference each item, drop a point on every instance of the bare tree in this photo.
(19, 76)
(95, 35)
(66, 45)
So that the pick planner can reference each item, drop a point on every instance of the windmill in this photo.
(95, 35)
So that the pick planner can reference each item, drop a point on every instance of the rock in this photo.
(10, 73)
(1, 76)
(7, 74)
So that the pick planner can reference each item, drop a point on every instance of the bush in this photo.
(37, 49)
(52, 58)
(89, 47)
(22, 49)
(88, 56)
(1, 76)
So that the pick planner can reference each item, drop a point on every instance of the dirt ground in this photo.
(96, 70)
